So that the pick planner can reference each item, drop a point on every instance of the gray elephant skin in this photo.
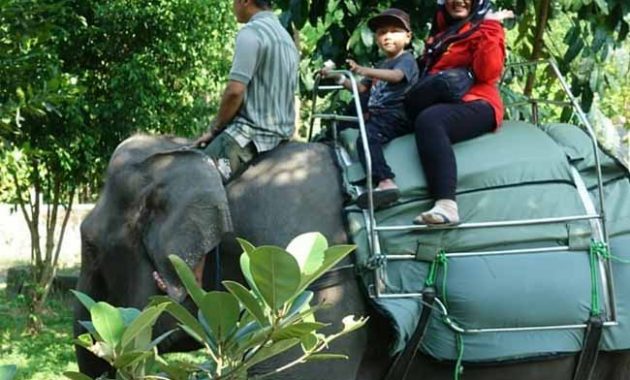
(160, 197)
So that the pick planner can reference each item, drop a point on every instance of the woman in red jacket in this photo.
(466, 33)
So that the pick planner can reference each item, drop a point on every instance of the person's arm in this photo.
(342, 80)
(391, 76)
(243, 68)
(488, 59)
(231, 102)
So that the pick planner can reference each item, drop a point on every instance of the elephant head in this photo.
(160, 198)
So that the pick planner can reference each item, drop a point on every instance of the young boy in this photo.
(388, 83)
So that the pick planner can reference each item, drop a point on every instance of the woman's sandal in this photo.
(441, 220)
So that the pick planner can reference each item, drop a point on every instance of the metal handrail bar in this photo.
(582, 116)
(591, 132)
(541, 101)
(330, 88)
(457, 328)
(542, 250)
(507, 223)
(371, 224)
(335, 117)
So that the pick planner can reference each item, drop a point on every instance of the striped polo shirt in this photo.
(266, 60)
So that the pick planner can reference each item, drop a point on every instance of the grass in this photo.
(44, 356)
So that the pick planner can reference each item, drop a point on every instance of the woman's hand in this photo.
(355, 67)
(500, 15)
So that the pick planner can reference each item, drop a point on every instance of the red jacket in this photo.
(484, 52)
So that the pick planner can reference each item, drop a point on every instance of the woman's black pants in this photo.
(436, 129)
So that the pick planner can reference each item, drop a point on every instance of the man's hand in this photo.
(205, 139)
(499, 15)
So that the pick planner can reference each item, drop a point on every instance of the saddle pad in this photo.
(519, 173)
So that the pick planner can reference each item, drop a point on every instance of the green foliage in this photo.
(238, 328)
(271, 318)
(78, 77)
(120, 336)
(38, 357)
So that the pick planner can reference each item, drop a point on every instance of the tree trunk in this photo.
(539, 43)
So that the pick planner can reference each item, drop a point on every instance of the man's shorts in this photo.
(230, 158)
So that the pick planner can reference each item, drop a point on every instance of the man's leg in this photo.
(230, 157)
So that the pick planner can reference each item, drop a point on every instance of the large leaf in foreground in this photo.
(247, 300)
(332, 256)
(221, 310)
(308, 249)
(188, 279)
(108, 322)
(276, 274)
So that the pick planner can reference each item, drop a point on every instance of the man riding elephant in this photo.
(257, 108)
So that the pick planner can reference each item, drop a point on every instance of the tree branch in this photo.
(539, 42)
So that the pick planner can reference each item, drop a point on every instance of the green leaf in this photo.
(601, 4)
(183, 315)
(107, 322)
(131, 358)
(276, 274)
(7, 372)
(128, 314)
(308, 249)
(298, 330)
(331, 257)
(188, 279)
(85, 300)
(159, 339)
(300, 303)
(246, 246)
(84, 340)
(221, 310)
(271, 351)
(309, 342)
(173, 371)
(144, 322)
(247, 300)
(317, 357)
(247, 273)
(70, 375)
(573, 51)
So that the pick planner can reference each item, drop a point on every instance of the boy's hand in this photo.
(354, 67)
(499, 15)
(328, 67)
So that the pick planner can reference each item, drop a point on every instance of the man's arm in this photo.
(231, 102)
(243, 67)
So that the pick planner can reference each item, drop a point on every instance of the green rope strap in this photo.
(442, 260)
(598, 249)
(459, 368)
(603, 251)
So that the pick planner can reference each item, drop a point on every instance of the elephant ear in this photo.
(185, 211)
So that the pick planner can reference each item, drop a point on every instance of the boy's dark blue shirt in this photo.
(389, 97)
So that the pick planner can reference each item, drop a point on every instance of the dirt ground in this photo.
(15, 241)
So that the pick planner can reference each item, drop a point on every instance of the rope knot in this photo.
(600, 249)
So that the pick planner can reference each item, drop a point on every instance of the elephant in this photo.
(160, 196)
